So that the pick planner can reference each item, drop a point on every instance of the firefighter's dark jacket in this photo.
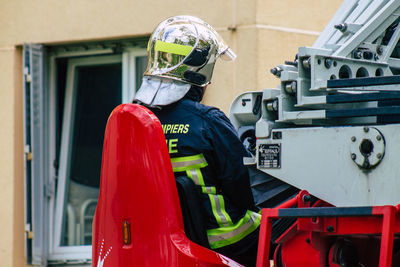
(204, 146)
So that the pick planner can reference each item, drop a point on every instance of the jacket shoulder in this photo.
(212, 115)
(198, 108)
(215, 115)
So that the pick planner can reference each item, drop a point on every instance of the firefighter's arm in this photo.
(229, 153)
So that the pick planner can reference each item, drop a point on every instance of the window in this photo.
(69, 94)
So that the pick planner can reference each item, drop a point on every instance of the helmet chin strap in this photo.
(136, 101)
(194, 77)
(195, 93)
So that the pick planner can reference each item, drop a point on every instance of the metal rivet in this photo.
(379, 50)
(341, 27)
(366, 129)
(328, 63)
(379, 155)
(378, 137)
(353, 138)
(306, 198)
(353, 156)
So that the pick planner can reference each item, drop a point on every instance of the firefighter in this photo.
(202, 142)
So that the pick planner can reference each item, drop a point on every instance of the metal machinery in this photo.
(325, 167)
(331, 128)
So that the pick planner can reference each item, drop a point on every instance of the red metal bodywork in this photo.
(138, 198)
(310, 242)
(138, 189)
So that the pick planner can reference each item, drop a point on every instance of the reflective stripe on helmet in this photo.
(224, 236)
(172, 48)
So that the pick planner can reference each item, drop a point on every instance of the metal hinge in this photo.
(28, 152)
(28, 231)
(27, 75)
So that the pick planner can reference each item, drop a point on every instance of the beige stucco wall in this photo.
(265, 39)
(6, 170)
(308, 15)
(18, 178)
(283, 27)
(11, 161)
(267, 33)
(49, 21)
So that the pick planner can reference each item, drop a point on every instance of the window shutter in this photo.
(34, 154)
(134, 64)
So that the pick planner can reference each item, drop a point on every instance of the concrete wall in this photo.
(266, 33)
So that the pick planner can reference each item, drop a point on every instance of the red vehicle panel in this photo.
(138, 221)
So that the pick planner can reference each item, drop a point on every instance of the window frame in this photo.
(54, 253)
(129, 66)
(66, 146)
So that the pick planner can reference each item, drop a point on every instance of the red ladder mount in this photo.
(321, 230)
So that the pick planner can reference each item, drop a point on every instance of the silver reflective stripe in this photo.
(194, 176)
(188, 163)
(192, 166)
(214, 238)
(209, 190)
(224, 220)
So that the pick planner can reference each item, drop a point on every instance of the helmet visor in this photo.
(228, 55)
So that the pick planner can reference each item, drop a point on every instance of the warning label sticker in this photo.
(269, 156)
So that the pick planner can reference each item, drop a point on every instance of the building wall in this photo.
(263, 33)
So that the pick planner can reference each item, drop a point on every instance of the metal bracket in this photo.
(367, 148)
(28, 152)
(28, 231)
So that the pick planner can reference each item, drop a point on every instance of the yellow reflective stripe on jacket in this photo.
(196, 176)
(224, 236)
(181, 164)
(192, 165)
(218, 209)
(177, 49)
(228, 232)
(208, 189)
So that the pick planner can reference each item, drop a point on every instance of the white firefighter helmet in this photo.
(181, 52)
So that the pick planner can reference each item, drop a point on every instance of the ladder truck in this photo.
(324, 169)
